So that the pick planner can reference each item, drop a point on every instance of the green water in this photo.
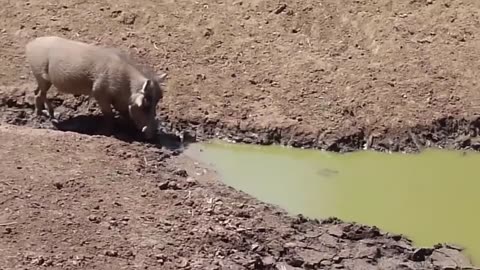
(432, 197)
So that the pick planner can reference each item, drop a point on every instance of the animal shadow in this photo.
(124, 130)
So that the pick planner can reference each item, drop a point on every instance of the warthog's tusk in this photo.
(144, 128)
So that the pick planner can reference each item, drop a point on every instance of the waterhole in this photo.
(431, 197)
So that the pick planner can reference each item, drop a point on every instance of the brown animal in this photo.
(107, 74)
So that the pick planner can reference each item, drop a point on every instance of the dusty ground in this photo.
(336, 75)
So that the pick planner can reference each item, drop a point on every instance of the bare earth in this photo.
(335, 75)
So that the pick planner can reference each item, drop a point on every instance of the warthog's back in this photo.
(71, 66)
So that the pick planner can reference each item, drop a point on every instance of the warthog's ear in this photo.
(147, 93)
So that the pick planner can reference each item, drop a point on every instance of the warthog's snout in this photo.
(150, 131)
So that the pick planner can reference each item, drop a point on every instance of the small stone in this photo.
(58, 185)
(181, 173)
(160, 257)
(280, 8)
(94, 218)
(397, 237)
(129, 253)
(163, 185)
(38, 261)
(183, 263)
(129, 18)
(326, 263)
(111, 253)
(290, 245)
(268, 261)
(173, 185)
(336, 231)
(191, 182)
(208, 32)
(420, 254)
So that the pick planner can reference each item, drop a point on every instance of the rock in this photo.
(243, 214)
(38, 261)
(294, 245)
(163, 185)
(280, 9)
(420, 254)
(448, 258)
(129, 18)
(111, 253)
(368, 252)
(326, 263)
(7, 230)
(181, 172)
(268, 261)
(58, 185)
(312, 257)
(397, 237)
(191, 182)
(328, 240)
(208, 32)
(183, 263)
(94, 218)
(284, 266)
(336, 231)
(173, 185)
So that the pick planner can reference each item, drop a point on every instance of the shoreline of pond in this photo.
(445, 133)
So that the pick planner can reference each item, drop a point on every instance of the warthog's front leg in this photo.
(105, 104)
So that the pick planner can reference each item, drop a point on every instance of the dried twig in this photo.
(146, 162)
(8, 224)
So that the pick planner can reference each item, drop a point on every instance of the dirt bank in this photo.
(396, 75)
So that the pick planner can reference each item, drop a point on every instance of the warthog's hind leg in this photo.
(41, 98)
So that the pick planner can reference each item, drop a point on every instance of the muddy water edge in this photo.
(430, 196)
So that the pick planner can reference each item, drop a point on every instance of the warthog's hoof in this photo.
(41, 113)
(55, 121)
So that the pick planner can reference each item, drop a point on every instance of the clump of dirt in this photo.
(98, 203)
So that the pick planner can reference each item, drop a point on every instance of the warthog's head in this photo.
(143, 105)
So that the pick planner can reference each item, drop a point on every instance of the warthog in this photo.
(110, 76)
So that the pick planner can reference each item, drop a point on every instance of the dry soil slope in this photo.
(325, 68)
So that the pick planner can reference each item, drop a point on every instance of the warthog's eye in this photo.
(147, 103)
